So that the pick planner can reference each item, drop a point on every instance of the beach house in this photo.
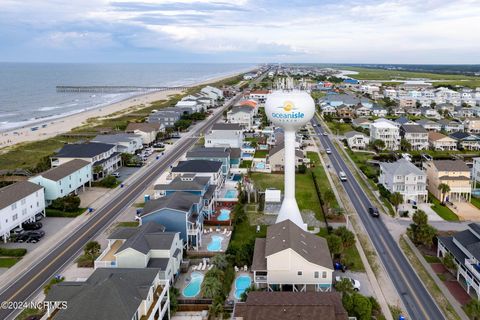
(111, 294)
(357, 140)
(276, 157)
(415, 135)
(147, 246)
(242, 115)
(454, 173)
(289, 256)
(221, 154)
(148, 131)
(201, 168)
(439, 141)
(387, 131)
(166, 117)
(19, 202)
(404, 177)
(225, 134)
(177, 212)
(466, 141)
(212, 92)
(104, 157)
(125, 142)
(65, 179)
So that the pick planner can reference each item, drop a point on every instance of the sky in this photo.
(250, 31)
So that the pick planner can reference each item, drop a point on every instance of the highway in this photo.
(418, 302)
(52, 262)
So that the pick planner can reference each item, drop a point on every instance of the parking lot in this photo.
(50, 225)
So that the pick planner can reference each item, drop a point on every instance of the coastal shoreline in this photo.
(48, 128)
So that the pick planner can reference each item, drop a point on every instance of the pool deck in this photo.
(231, 295)
(184, 279)
(207, 237)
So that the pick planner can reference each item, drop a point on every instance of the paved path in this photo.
(415, 297)
(26, 284)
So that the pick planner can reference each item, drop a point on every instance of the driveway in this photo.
(365, 286)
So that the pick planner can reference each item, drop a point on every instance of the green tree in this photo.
(420, 232)
(405, 145)
(68, 203)
(449, 262)
(328, 198)
(473, 309)
(444, 189)
(52, 282)
(211, 287)
(379, 145)
(357, 305)
(92, 250)
(396, 199)
(344, 286)
(347, 236)
(334, 244)
(174, 293)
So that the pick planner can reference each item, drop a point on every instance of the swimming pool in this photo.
(224, 215)
(230, 194)
(247, 155)
(193, 287)
(236, 177)
(241, 284)
(260, 165)
(215, 244)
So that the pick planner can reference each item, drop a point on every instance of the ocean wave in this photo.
(4, 115)
(48, 108)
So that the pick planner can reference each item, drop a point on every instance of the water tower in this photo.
(290, 110)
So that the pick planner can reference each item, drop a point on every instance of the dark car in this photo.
(32, 225)
(20, 237)
(374, 212)
(36, 233)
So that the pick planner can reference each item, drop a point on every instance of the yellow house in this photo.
(454, 173)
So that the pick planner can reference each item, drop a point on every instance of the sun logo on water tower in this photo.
(288, 106)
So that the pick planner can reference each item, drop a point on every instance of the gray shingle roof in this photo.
(215, 152)
(280, 146)
(259, 261)
(401, 167)
(83, 150)
(143, 126)
(182, 201)
(64, 170)
(16, 192)
(180, 184)
(150, 236)
(451, 165)
(227, 126)
(286, 234)
(413, 128)
(351, 134)
(108, 294)
(198, 166)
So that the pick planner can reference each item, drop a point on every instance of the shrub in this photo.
(68, 203)
(20, 252)
(174, 293)
(108, 182)
(302, 169)
(52, 282)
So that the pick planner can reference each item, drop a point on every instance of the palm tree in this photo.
(211, 287)
(92, 250)
(220, 261)
(444, 189)
(396, 199)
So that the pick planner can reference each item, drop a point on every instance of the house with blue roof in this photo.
(178, 212)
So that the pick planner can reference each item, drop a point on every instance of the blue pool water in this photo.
(260, 165)
(224, 215)
(193, 287)
(230, 194)
(236, 177)
(215, 244)
(241, 284)
(247, 155)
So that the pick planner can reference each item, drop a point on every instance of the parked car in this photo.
(32, 225)
(355, 283)
(20, 237)
(116, 174)
(36, 233)
(17, 231)
(38, 217)
(325, 133)
(373, 212)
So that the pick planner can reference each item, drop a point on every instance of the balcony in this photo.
(107, 258)
(159, 305)
(261, 279)
(474, 267)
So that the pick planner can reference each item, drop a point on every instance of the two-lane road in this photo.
(24, 286)
(418, 302)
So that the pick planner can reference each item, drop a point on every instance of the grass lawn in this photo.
(443, 211)
(432, 259)
(339, 128)
(321, 176)
(124, 224)
(62, 214)
(260, 154)
(8, 262)
(246, 164)
(476, 202)
(244, 233)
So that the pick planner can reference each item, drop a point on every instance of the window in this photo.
(15, 217)
(299, 273)
(14, 206)
(23, 201)
(24, 211)
(324, 274)
(316, 274)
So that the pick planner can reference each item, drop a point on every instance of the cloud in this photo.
(393, 31)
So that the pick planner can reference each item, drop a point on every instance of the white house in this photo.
(439, 141)
(147, 246)
(259, 95)
(387, 131)
(225, 135)
(212, 92)
(357, 140)
(125, 142)
(189, 104)
(19, 202)
(243, 115)
(67, 178)
(404, 177)
(291, 256)
(416, 135)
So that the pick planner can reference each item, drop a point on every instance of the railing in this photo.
(105, 264)
(261, 279)
(470, 264)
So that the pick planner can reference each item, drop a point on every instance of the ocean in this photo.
(28, 90)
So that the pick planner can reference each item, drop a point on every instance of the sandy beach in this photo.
(51, 128)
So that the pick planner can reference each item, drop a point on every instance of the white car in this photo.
(116, 174)
(328, 151)
(325, 133)
(355, 283)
